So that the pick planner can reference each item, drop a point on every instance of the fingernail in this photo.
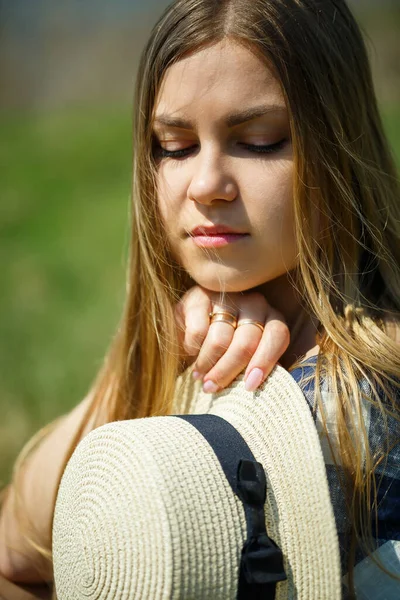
(196, 375)
(210, 387)
(254, 379)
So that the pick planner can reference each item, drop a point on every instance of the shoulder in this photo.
(383, 439)
(382, 429)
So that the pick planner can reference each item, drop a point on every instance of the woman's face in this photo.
(225, 167)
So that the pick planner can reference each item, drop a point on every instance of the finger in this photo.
(244, 344)
(218, 340)
(195, 307)
(219, 336)
(274, 342)
(251, 306)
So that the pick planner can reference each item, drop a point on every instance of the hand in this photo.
(221, 352)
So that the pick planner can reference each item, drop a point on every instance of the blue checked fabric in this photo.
(371, 583)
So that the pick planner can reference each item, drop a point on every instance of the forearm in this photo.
(27, 512)
(12, 591)
(20, 560)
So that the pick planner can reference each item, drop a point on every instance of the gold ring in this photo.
(251, 322)
(223, 317)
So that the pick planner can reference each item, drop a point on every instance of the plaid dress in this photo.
(371, 583)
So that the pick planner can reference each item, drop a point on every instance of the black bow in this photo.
(261, 565)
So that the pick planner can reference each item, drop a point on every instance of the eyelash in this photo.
(270, 149)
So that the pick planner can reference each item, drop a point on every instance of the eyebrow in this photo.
(231, 120)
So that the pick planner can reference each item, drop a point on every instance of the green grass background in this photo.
(64, 219)
(65, 186)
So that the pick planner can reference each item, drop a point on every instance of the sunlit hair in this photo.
(344, 175)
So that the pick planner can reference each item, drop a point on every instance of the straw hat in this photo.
(233, 503)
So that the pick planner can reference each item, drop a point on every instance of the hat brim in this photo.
(144, 509)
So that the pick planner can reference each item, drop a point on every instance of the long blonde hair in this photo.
(344, 173)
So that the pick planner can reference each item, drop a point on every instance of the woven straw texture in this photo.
(144, 510)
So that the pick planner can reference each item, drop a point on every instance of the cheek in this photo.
(165, 201)
(274, 193)
(286, 208)
(169, 201)
(170, 193)
(167, 209)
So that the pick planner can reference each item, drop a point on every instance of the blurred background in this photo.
(66, 83)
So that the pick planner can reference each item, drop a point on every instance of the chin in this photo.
(227, 283)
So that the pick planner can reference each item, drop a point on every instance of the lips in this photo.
(216, 236)
(210, 230)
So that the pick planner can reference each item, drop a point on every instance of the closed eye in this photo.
(164, 153)
(255, 148)
(266, 149)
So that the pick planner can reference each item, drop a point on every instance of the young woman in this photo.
(261, 174)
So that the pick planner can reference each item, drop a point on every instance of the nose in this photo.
(212, 179)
